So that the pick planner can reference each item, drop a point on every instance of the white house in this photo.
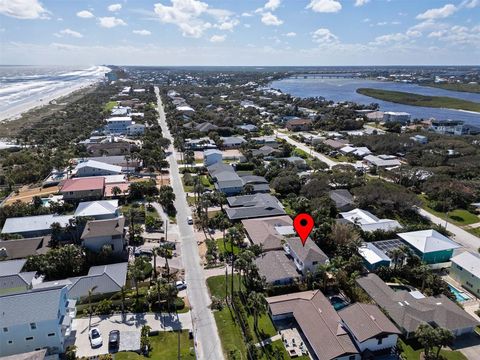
(212, 156)
(100, 233)
(118, 125)
(99, 210)
(369, 326)
(369, 222)
(96, 168)
(135, 129)
(35, 319)
(306, 257)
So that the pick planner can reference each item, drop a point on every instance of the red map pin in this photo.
(303, 224)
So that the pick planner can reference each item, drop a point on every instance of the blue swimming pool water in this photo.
(458, 294)
(337, 303)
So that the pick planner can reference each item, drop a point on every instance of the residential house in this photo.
(100, 233)
(357, 151)
(258, 184)
(118, 125)
(253, 206)
(225, 178)
(268, 232)
(431, 246)
(34, 226)
(391, 116)
(135, 129)
(232, 142)
(335, 144)
(103, 279)
(307, 257)
(343, 199)
(206, 127)
(200, 144)
(265, 151)
(248, 127)
(78, 189)
(450, 127)
(22, 248)
(322, 329)
(382, 161)
(421, 139)
(370, 329)
(466, 271)
(408, 311)
(299, 125)
(277, 268)
(373, 257)
(369, 222)
(35, 319)
(185, 109)
(109, 148)
(269, 140)
(99, 210)
(297, 161)
(129, 165)
(12, 279)
(96, 168)
(212, 156)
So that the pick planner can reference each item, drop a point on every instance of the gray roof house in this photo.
(104, 278)
(232, 141)
(99, 210)
(225, 178)
(21, 248)
(206, 127)
(277, 268)
(306, 257)
(100, 233)
(320, 324)
(34, 226)
(253, 206)
(269, 232)
(12, 279)
(408, 312)
(343, 199)
(259, 183)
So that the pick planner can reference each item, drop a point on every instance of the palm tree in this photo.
(323, 271)
(396, 254)
(423, 271)
(257, 304)
(155, 252)
(116, 191)
(165, 253)
(234, 237)
(90, 292)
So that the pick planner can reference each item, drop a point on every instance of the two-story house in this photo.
(100, 233)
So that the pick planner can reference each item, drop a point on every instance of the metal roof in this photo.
(469, 262)
(97, 208)
(34, 223)
(428, 241)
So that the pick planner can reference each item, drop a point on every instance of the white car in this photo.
(95, 337)
(181, 285)
(189, 220)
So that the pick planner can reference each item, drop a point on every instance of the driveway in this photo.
(207, 341)
(468, 345)
(129, 326)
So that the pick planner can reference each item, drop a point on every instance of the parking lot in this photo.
(129, 326)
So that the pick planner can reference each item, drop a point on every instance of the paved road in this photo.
(207, 341)
(308, 150)
(469, 241)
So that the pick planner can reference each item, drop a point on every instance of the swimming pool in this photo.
(459, 295)
(338, 303)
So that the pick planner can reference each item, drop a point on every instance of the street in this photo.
(207, 341)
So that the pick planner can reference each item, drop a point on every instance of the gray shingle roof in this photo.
(108, 227)
(341, 197)
(263, 231)
(308, 253)
(276, 266)
(366, 321)
(36, 305)
(409, 312)
(253, 206)
(224, 176)
(11, 267)
(21, 248)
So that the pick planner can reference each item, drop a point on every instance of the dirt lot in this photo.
(26, 194)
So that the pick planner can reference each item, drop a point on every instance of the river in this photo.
(344, 89)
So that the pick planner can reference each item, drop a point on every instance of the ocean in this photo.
(344, 89)
(25, 87)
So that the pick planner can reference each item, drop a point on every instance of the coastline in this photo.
(16, 112)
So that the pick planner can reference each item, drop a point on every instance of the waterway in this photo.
(344, 89)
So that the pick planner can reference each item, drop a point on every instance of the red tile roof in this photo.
(83, 184)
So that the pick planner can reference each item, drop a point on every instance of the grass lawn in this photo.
(216, 284)
(206, 182)
(165, 346)
(187, 188)
(152, 212)
(411, 351)
(230, 334)
(109, 106)
(221, 248)
(460, 217)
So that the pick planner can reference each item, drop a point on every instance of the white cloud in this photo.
(246, 14)
(439, 13)
(390, 38)
(291, 34)
(142, 32)
(272, 5)
(271, 20)
(248, 26)
(218, 38)
(68, 32)
(227, 25)
(366, 20)
(114, 7)
(413, 33)
(324, 36)
(470, 4)
(23, 9)
(111, 22)
(186, 15)
(459, 35)
(361, 2)
(382, 23)
(85, 14)
(324, 6)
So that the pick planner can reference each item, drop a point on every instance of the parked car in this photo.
(143, 252)
(181, 285)
(95, 337)
(114, 339)
(168, 245)
(189, 220)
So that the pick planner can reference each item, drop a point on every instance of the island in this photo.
(420, 100)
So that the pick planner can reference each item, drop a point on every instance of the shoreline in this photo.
(18, 111)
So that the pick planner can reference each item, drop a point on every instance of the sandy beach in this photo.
(16, 111)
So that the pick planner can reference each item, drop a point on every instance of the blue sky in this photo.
(240, 32)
